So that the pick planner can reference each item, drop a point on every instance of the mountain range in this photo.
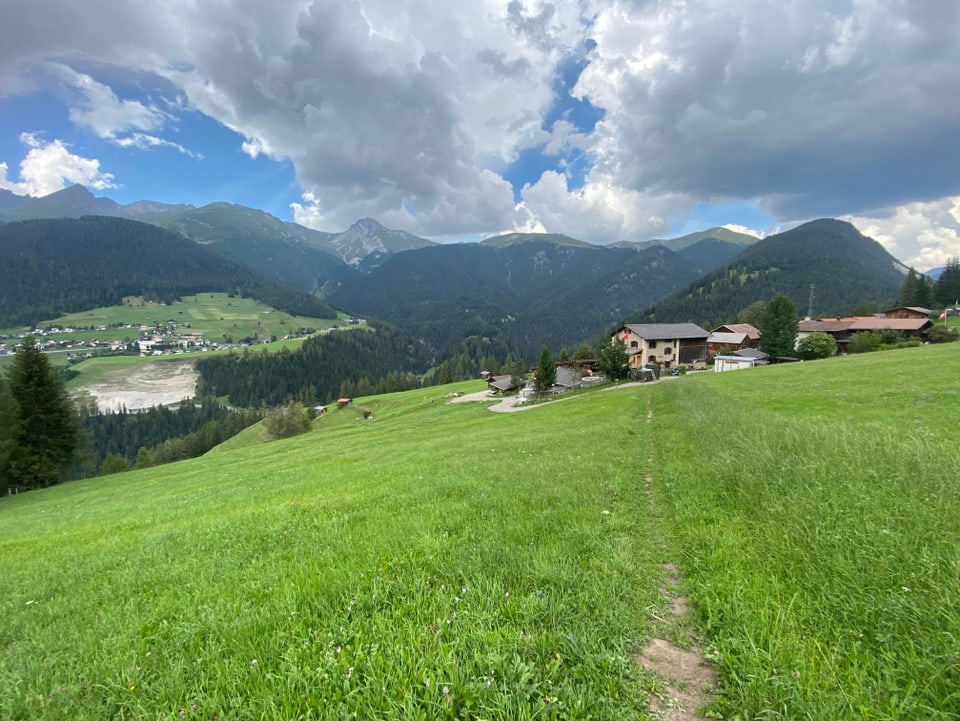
(516, 292)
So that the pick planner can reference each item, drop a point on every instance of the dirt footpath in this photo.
(161, 383)
(511, 404)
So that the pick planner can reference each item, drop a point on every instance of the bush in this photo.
(286, 421)
(943, 334)
(816, 345)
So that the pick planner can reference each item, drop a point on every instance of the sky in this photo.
(604, 120)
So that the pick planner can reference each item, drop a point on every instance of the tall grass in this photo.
(817, 514)
(438, 561)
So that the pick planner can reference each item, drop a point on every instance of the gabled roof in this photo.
(727, 338)
(914, 308)
(751, 331)
(502, 383)
(666, 331)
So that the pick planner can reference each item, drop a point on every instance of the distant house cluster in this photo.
(911, 322)
(736, 346)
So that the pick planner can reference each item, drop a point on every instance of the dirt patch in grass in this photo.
(145, 386)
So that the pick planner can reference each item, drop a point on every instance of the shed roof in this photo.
(751, 353)
(667, 331)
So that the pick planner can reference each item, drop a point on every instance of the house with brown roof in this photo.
(732, 337)
(666, 344)
(842, 329)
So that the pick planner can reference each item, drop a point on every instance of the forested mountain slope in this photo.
(845, 267)
(523, 294)
(66, 265)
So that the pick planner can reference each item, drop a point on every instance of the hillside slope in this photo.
(286, 252)
(845, 267)
(52, 267)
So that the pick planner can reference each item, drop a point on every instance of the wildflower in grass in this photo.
(349, 673)
(253, 662)
(456, 599)
(338, 649)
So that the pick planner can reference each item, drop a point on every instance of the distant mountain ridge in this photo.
(844, 267)
(519, 294)
(75, 201)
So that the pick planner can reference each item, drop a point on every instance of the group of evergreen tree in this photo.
(39, 424)
(157, 435)
(316, 371)
(920, 290)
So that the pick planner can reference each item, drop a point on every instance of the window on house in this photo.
(667, 351)
(634, 344)
(653, 344)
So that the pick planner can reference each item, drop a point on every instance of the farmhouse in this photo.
(732, 337)
(664, 343)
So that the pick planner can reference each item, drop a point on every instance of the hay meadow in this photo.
(439, 561)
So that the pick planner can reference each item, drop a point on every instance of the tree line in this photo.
(920, 290)
(314, 372)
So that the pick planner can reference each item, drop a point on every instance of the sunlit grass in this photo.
(437, 561)
(817, 514)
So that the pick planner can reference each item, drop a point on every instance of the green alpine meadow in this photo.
(414, 558)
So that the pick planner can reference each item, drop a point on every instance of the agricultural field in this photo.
(439, 561)
(219, 317)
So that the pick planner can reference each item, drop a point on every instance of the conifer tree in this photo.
(7, 425)
(947, 289)
(46, 434)
(545, 374)
(779, 325)
(915, 291)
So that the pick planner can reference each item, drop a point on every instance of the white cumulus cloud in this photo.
(49, 167)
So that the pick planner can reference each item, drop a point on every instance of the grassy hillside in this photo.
(442, 561)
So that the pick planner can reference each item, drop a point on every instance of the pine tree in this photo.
(778, 327)
(7, 426)
(915, 291)
(46, 435)
(545, 374)
(947, 289)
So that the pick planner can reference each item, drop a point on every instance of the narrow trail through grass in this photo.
(683, 678)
